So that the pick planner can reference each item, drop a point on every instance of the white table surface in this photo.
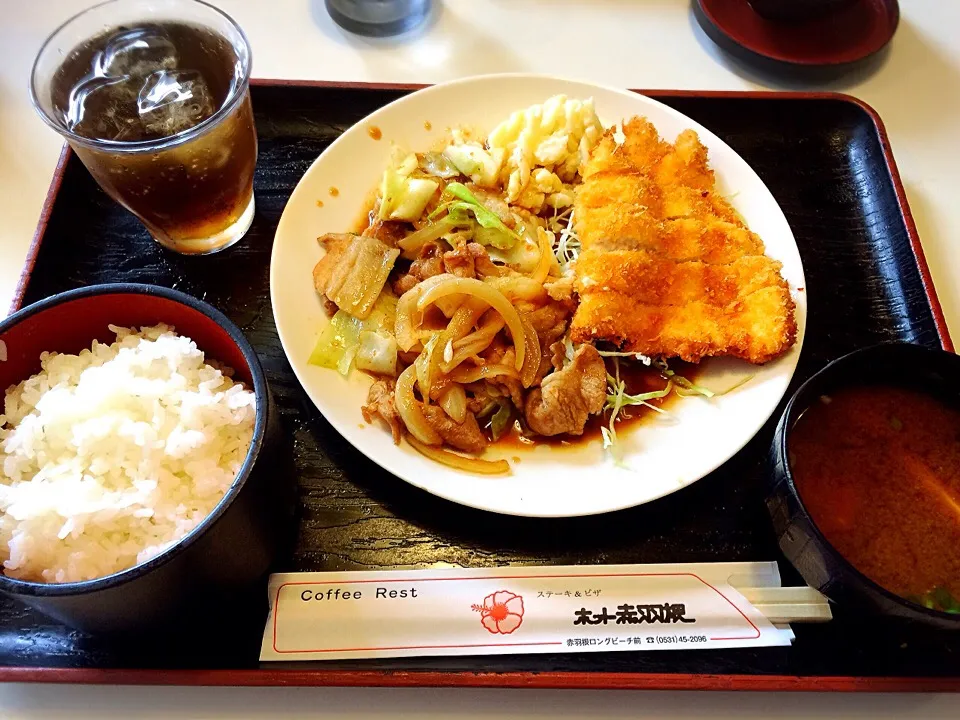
(631, 43)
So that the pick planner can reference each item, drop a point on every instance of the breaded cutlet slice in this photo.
(653, 279)
(715, 242)
(686, 164)
(668, 268)
(624, 189)
(604, 193)
(757, 327)
(641, 152)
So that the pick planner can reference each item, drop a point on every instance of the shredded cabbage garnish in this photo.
(686, 388)
(608, 438)
(618, 398)
(648, 361)
(567, 246)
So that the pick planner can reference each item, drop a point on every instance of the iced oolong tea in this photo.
(152, 82)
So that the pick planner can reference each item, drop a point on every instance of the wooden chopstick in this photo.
(789, 604)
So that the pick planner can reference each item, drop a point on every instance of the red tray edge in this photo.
(38, 234)
(529, 680)
(543, 680)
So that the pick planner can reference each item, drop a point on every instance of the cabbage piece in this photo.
(391, 189)
(413, 198)
(405, 162)
(337, 344)
(493, 237)
(480, 165)
(403, 197)
(492, 230)
(383, 315)
(377, 353)
(341, 341)
(523, 256)
(437, 165)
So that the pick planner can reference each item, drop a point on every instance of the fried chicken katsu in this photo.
(668, 268)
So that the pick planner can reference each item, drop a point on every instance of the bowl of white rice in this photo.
(134, 472)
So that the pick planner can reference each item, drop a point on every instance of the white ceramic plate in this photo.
(660, 457)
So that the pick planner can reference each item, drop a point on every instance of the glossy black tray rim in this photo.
(272, 675)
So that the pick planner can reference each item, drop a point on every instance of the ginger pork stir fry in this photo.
(459, 294)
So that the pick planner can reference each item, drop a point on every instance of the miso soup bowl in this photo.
(232, 548)
(936, 372)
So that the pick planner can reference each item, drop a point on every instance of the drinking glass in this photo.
(192, 187)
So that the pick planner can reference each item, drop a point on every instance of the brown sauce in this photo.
(878, 468)
(366, 217)
(638, 379)
(374, 132)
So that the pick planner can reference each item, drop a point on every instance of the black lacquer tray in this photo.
(827, 161)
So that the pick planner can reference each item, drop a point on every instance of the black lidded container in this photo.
(935, 372)
(231, 550)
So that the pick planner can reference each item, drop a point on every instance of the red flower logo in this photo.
(501, 612)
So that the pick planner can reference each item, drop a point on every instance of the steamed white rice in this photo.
(111, 456)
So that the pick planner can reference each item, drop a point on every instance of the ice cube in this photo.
(104, 108)
(173, 101)
(137, 52)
